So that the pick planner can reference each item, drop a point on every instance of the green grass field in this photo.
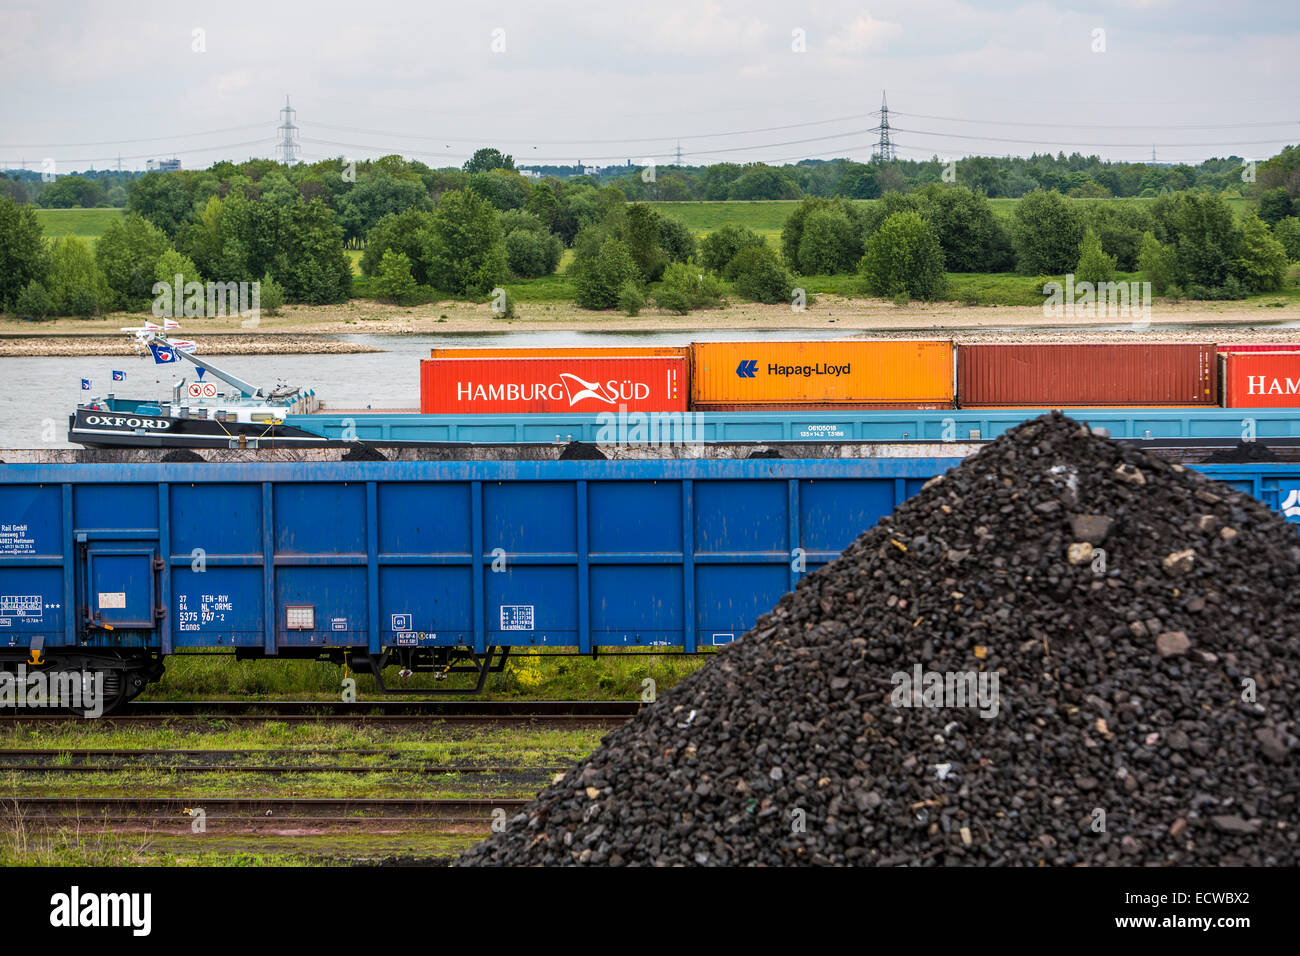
(86, 224)
(766, 217)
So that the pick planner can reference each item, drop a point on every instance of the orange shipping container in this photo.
(795, 374)
(602, 351)
(1261, 379)
(533, 385)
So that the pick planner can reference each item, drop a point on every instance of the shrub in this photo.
(904, 256)
(1094, 265)
(22, 250)
(1156, 263)
(686, 287)
(1262, 264)
(630, 298)
(823, 247)
(127, 254)
(467, 254)
(599, 279)
(1287, 232)
(531, 253)
(394, 280)
(76, 285)
(719, 248)
(829, 243)
(675, 239)
(759, 275)
(270, 295)
(1046, 231)
(33, 302)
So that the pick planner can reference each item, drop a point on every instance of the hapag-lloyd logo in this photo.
(570, 387)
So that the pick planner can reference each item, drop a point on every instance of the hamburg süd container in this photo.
(1261, 379)
(1254, 347)
(1094, 374)
(552, 384)
(901, 374)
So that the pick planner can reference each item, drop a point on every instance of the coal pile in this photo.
(1143, 626)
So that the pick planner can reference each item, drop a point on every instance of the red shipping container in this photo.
(1276, 347)
(534, 385)
(1261, 380)
(1056, 376)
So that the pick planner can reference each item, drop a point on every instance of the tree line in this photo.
(462, 233)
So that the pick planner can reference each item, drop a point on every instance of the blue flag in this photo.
(162, 354)
(119, 376)
(85, 384)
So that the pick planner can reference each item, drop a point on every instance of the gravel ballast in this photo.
(1063, 652)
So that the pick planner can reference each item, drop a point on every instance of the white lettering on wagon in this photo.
(14, 539)
(29, 607)
(517, 617)
(212, 609)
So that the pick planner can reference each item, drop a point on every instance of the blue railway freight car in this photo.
(428, 566)
(863, 425)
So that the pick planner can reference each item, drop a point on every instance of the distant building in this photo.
(164, 165)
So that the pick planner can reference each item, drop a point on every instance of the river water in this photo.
(37, 394)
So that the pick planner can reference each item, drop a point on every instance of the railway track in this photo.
(558, 713)
(50, 761)
(255, 812)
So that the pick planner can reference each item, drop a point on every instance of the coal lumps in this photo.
(955, 690)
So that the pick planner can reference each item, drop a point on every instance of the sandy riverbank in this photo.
(316, 329)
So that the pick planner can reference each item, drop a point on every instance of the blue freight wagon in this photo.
(852, 425)
(428, 566)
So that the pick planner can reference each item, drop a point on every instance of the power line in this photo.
(958, 119)
(1058, 144)
(595, 142)
(115, 142)
(620, 156)
(264, 141)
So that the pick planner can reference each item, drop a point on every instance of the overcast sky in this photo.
(604, 82)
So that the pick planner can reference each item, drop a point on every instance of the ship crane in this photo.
(149, 335)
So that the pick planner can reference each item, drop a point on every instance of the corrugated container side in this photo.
(1261, 379)
(796, 374)
(595, 351)
(1090, 374)
(542, 385)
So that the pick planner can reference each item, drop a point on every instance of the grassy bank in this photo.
(88, 224)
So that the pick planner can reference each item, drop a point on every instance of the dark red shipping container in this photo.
(552, 384)
(1053, 376)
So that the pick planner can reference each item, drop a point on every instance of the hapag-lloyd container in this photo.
(900, 374)
(552, 384)
(1056, 376)
(1261, 379)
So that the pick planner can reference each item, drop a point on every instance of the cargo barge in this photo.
(851, 391)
